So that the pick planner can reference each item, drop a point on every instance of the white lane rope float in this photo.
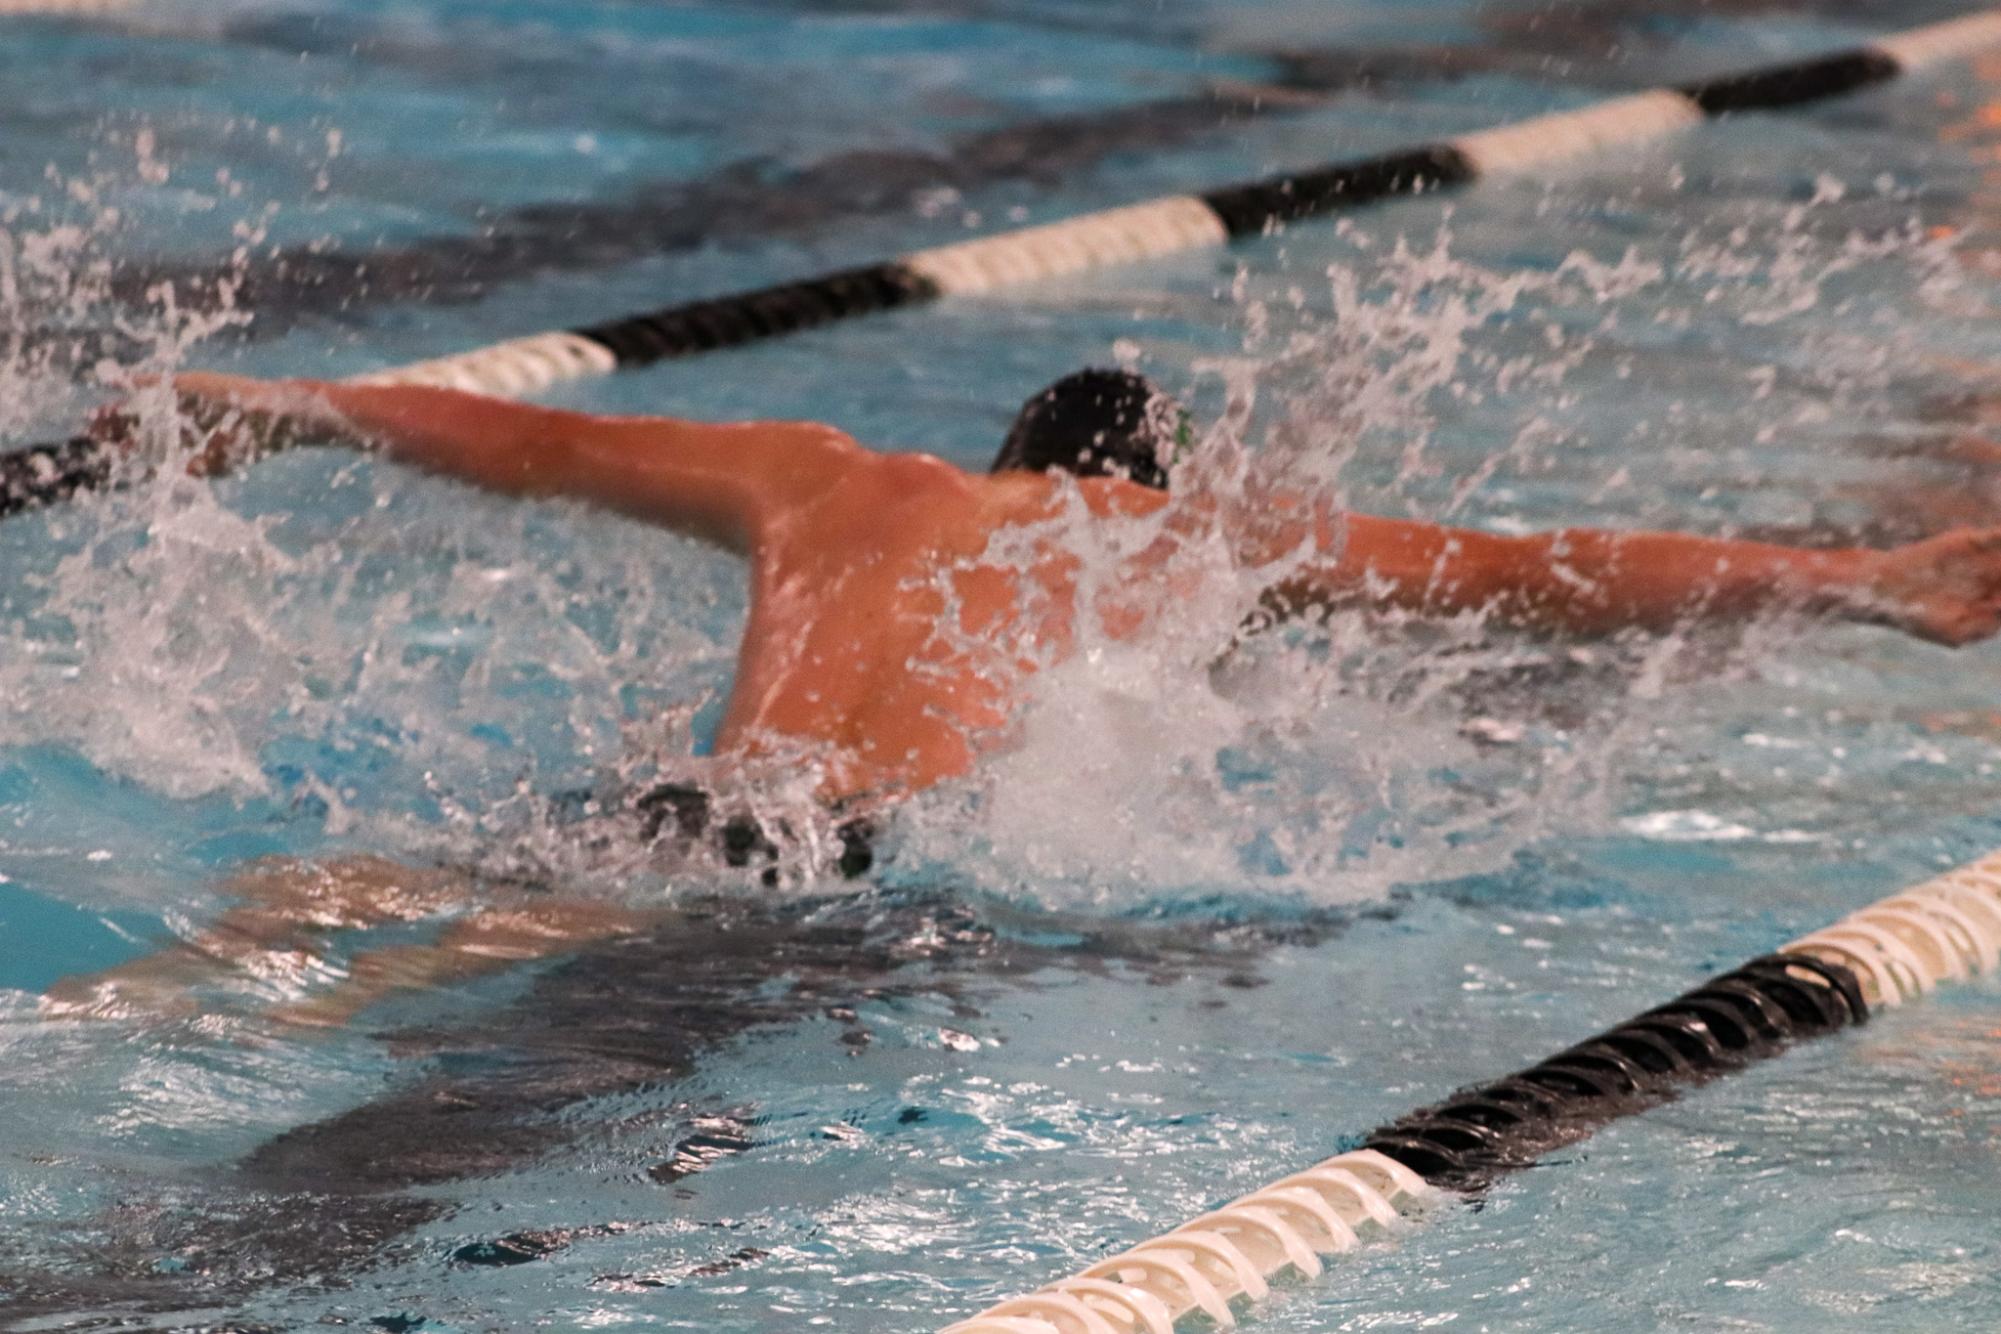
(1948, 929)
(1181, 222)
(40, 474)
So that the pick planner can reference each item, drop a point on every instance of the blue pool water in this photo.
(1286, 900)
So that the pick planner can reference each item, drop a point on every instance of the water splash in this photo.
(1332, 762)
(428, 671)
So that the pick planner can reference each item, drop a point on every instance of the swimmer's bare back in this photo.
(886, 644)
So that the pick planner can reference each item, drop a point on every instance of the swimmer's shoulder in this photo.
(1117, 498)
(1027, 498)
(923, 479)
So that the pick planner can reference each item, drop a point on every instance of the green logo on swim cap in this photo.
(1184, 433)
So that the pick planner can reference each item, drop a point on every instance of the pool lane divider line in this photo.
(1894, 951)
(1179, 223)
(40, 474)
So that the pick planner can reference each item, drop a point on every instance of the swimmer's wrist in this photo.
(228, 421)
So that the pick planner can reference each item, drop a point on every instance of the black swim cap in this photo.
(1097, 423)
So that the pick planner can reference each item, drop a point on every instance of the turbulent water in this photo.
(329, 655)
(418, 669)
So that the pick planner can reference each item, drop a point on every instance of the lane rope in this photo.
(519, 367)
(1947, 929)
(1182, 222)
(1891, 952)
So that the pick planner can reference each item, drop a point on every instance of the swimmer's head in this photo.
(1098, 423)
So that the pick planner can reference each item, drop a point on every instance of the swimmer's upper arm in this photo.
(1361, 560)
(721, 482)
(725, 483)
(1555, 580)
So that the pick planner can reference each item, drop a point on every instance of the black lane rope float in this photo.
(738, 201)
(1097, 240)
(1745, 1015)
(745, 198)
(1888, 953)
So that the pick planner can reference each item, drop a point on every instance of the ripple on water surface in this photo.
(1201, 921)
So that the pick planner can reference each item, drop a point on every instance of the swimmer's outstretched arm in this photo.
(724, 483)
(1596, 581)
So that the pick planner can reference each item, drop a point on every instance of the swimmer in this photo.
(851, 553)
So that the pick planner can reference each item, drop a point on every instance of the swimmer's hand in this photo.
(227, 421)
(1946, 590)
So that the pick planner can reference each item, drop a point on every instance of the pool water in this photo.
(1289, 896)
